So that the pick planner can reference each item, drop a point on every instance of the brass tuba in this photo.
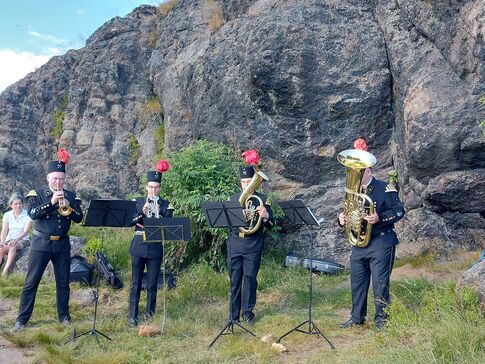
(246, 201)
(64, 208)
(358, 231)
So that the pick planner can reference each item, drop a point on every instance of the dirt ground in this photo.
(9, 354)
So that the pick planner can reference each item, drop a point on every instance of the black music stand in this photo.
(105, 213)
(299, 214)
(166, 229)
(227, 214)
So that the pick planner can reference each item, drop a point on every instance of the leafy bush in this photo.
(204, 171)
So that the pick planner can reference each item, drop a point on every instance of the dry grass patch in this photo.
(214, 15)
(167, 6)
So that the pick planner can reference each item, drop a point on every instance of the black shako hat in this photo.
(156, 176)
(60, 164)
(56, 166)
(246, 172)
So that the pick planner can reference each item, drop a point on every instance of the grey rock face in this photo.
(474, 278)
(299, 81)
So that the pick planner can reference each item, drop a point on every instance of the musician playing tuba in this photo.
(372, 256)
(245, 245)
(147, 254)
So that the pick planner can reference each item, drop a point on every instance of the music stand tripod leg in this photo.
(318, 332)
(296, 328)
(311, 325)
(93, 330)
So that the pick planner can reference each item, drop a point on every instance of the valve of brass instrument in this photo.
(64, 208)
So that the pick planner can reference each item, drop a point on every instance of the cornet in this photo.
(64, 207)
(153, 208)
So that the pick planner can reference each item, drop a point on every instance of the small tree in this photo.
(205, 171)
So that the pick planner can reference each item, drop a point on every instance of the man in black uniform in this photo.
(50, 241)
(377, 258)
(244, 254)
(147, 254)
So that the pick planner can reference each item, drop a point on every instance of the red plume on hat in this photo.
(163, 165)
(360, 144)
(63, 156)
(251, 157)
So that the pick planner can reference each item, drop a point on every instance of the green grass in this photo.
(431, 323)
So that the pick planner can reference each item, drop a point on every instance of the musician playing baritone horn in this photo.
(147, 254)
(375, 258)
(245, 245)
(52, 210)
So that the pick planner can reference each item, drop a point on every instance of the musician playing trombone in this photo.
(143, 254)
(245, 245)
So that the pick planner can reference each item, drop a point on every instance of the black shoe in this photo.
(148, 317)
(349, 323)
(133, 322)
(249, 318)
(380, 325)
(18, 326)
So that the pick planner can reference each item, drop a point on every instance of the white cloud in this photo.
(50, 38)
(80, 11)
(16, 65)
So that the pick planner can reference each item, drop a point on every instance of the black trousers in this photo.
(61, 262)
(243, 272)
(153, 270)
(364, 265)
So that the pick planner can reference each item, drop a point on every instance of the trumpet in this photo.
(64, 207)
(153, 208)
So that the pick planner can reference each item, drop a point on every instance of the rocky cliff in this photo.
(297, 79)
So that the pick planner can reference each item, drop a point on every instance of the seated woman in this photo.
(15, 231)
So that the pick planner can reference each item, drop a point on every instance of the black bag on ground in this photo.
(81, 271)
(171, 282)
(106, 271)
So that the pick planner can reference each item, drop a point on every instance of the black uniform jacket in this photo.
(250, 243)
(48, 223)
(138, 247)
(389, 209)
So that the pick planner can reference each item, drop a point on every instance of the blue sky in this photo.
(32, 31)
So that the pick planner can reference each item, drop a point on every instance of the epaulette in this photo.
(268, 201)
(170, 207)
(32, 193)
(390, 188)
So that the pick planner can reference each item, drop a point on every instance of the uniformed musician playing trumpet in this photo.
(147, 254)
(52, 210)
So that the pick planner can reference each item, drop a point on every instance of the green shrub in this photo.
(204, 171)
(92, 246)
(134, 149)
(58, 118)
(160, 140)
